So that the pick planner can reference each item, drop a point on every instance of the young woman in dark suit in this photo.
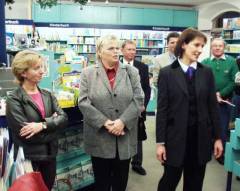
(187, 116)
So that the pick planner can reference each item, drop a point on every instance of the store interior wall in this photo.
(207, 12)
(21, 9)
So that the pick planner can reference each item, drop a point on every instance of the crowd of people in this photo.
(192, 115)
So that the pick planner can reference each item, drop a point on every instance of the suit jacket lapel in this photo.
(179, 77)
(103, 76)
(135, 64)
(198, 81)
(120, 74)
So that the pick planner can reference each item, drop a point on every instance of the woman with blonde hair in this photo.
(111, 100)
(34, 116)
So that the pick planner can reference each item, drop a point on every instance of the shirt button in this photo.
(116, 110)
(115, 95)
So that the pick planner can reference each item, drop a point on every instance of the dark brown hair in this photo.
(172, 35)
(186, 37)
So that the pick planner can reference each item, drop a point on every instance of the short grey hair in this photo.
(219, 39)
(102, 41)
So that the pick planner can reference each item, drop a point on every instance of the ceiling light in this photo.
(106, 2)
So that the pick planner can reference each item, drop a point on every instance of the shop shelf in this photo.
(236, 168)
(234, 140)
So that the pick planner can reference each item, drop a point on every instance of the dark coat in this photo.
(20, 109)
(144, 79)
(172, 113)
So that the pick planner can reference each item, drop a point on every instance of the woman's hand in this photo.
(54, 114)
(109, 125)
(30, 129)
(218, 148)
(118, 128)
(115, 127)
(161, 153)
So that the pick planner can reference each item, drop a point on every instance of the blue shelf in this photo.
(232, 151)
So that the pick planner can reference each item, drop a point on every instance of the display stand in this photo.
(74, 168)
(232, 155)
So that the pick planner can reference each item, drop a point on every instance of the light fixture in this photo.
(106, 2)
(89, 1)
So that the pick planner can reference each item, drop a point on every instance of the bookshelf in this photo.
(231, 34)
(232, 38)
(57, 46)
(83, 44)
(147, 42)
(82, 40)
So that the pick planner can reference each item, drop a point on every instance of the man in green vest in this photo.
(224, 68)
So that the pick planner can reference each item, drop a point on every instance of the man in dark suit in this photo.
(129, 52)
(187, 118)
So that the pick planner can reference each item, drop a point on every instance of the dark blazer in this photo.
(20, 109)
(172, 112)
(144, 79)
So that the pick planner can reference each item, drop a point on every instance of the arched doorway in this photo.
(217, 22)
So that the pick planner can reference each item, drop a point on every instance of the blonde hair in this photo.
(102, 41)
(22, 62)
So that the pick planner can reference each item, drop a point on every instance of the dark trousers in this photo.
(47, 170)
(138, 158)
(193, 172)
(235, 111)
(193, 175)
(225, 111)
(110, 174)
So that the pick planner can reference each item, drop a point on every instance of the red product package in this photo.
(29, 182)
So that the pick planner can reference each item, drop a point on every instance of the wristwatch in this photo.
(44, 126)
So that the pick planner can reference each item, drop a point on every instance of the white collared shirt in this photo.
(172, 57)
(126, 62)
(185, 67)
(222, 57)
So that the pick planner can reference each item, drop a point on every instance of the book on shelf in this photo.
(11, 170)
(236, 34)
